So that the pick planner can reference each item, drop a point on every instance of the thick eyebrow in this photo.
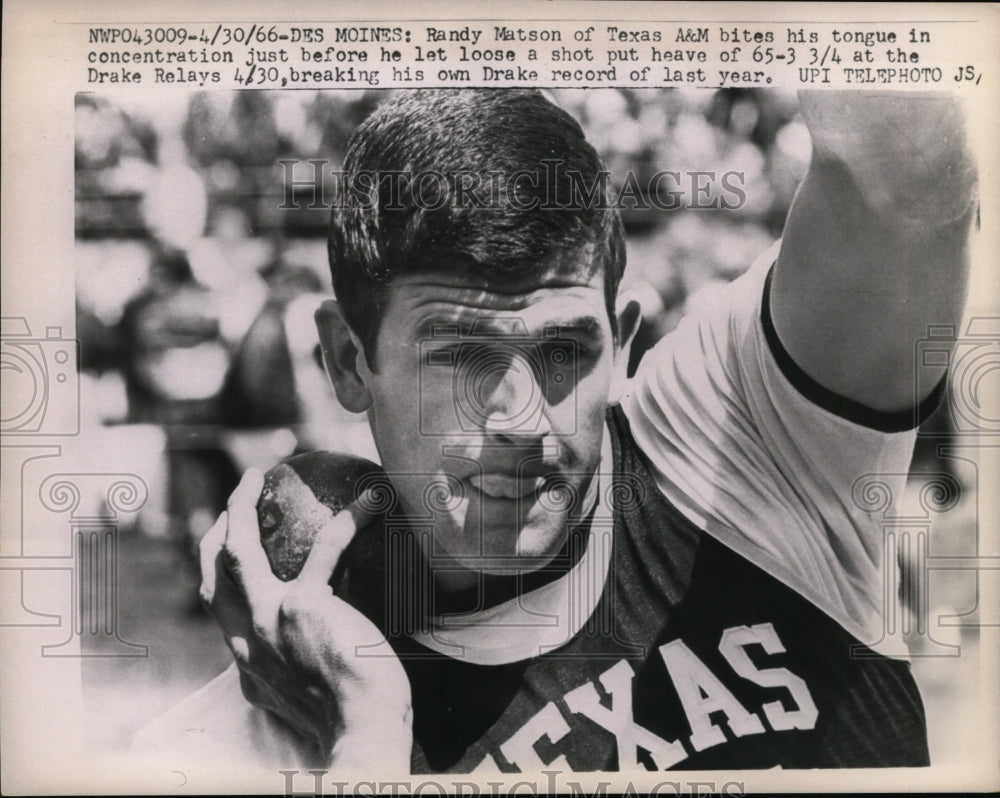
(586, 326)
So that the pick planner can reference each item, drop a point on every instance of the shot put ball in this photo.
(299, 497)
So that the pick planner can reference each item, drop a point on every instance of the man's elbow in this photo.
(944, 195)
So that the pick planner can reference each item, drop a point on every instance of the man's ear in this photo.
(344, 358)
(628, 312)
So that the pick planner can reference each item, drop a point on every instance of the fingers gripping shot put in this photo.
(295, 630)
(555, 566)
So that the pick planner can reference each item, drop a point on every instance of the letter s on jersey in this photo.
(733, 648)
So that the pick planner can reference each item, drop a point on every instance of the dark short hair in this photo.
(491, 182)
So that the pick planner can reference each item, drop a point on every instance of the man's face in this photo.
(488, 405)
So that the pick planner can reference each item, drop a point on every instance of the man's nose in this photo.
(514, 403)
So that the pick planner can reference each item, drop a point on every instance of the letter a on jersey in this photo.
(701, 693)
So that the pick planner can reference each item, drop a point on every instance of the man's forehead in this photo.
(431, 305)
(487, 325)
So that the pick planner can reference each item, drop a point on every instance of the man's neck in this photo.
(482, 591)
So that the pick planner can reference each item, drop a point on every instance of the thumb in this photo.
(332, 539)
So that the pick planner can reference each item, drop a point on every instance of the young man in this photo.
(668, 572)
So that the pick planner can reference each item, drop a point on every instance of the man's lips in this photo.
(505, 486)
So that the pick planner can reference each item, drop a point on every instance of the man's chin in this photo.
(503, 566)
(514, 548)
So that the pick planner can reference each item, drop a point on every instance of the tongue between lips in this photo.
(505, 486)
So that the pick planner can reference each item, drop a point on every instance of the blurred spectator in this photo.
(175, 366)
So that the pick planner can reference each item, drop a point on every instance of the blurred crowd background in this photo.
(201, 255)
(197, 278)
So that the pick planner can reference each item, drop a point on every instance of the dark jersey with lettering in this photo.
(694, 658)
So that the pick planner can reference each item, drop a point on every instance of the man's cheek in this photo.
(591, 397)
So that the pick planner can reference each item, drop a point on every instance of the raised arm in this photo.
(875, 248)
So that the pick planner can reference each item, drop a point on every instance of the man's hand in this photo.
(296, 644)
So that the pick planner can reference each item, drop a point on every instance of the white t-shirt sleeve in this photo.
(768, 467)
